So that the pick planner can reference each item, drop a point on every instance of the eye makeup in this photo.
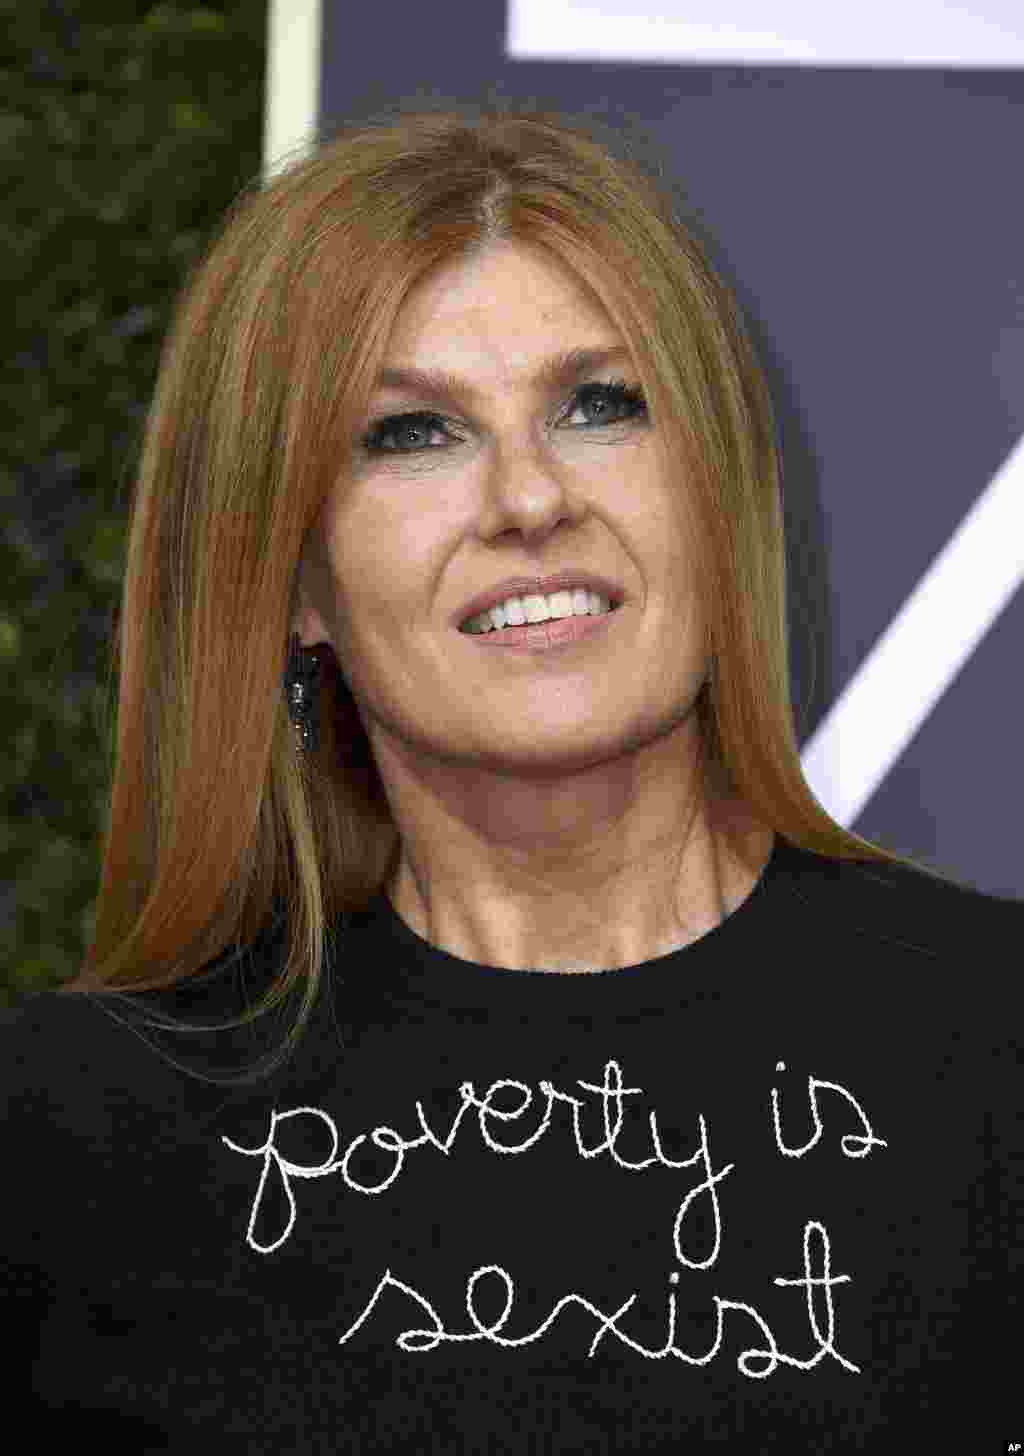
(619, 398)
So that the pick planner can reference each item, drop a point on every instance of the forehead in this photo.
(506, 312)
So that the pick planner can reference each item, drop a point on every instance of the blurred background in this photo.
(125, 131)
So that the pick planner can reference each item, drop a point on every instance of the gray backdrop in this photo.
(871, 220)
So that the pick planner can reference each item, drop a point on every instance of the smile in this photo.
(555, 633)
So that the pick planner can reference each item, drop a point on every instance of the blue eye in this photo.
(614, 397)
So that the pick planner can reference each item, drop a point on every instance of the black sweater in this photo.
(764, 1193)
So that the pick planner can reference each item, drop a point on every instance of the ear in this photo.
(307, 617)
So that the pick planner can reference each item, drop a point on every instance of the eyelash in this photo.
(615, 391)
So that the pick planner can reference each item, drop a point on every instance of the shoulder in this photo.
(50, 1043)
(925, 971)
(918, 950)
(26, 1026)
(902, 906)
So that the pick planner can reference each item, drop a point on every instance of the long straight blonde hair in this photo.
(218, 827)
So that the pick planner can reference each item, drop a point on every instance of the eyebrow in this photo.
(557, 372)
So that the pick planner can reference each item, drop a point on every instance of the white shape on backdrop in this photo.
(292, 105)
(922, 650)
(988, 34)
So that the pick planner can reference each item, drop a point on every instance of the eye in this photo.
(616, 398)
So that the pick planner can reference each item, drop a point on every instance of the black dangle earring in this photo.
(302, 690)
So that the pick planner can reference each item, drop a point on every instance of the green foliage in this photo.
(126, 130)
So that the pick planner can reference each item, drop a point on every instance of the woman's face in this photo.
(508, 478)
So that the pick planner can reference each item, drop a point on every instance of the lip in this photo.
(521, 586)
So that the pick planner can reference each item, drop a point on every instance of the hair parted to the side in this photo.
(218, 826)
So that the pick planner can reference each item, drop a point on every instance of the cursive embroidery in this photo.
(817, 1271)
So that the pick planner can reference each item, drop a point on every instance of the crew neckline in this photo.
(413, 969)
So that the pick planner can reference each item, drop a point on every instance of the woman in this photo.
(632, 1103)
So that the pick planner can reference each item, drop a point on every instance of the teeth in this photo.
(518, 610)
